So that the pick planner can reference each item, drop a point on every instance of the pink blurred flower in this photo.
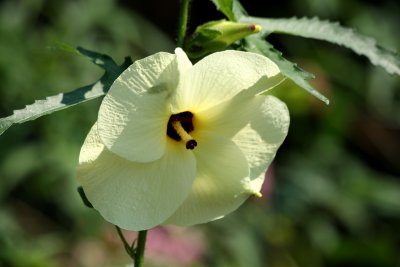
(172, 245)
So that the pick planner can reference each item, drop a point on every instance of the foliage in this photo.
(65, 100)
(335, 184)
(334, 33)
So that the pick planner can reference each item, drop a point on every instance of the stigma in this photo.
(179, 127)
(187, 138)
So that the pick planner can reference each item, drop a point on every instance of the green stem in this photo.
(139, 253)
(183, 19)
(129, 249)
(136, 254)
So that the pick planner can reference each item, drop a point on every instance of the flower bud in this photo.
(217, 35)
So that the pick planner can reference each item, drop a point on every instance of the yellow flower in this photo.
(183, 144)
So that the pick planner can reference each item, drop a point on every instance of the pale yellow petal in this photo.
(229, 117)
(218, 188)
(262, 137)
(135, 196)
(222, 75)
(183, 61)
(133, 116)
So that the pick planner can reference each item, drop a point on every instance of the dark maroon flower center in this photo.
(179, 127)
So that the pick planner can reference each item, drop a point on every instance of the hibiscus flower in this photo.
(183, 144)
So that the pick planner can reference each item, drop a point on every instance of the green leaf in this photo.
(309, 28)
(289, 69)
(238, 10)
(65, 100)
(225, 6)
(334, 33)
(234, 11)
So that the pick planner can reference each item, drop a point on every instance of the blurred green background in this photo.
(332, 196)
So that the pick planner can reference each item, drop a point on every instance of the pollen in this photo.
(179, 126)
(257, 194)
(255, 28)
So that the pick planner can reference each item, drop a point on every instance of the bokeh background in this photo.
(331, 198)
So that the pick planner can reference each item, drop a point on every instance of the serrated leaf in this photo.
(332, 32)
(289, 69)
(64, 100)
(238, 10)
(257, 45)
(102, 60)
(225, 6)
(232, 9)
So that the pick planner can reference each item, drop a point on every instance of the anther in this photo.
(254, 28)
(187, 138)
(257, 194)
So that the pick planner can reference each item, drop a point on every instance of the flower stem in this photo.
(136, 254)
(128, 248)
(183, 19)
(139, 253)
